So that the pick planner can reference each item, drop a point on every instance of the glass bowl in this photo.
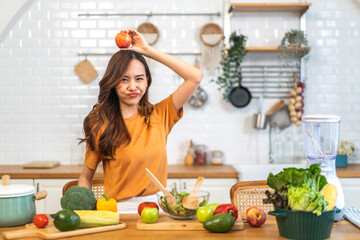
(178, 211)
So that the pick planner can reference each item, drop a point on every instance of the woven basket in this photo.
(211, 34)
(249, 194)
(150, 32)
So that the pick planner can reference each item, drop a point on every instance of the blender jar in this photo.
(321, 139)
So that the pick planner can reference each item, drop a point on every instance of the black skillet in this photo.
(240, 96)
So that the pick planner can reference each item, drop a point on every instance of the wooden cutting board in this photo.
(166, 223)
(50, 232)
(42, 164)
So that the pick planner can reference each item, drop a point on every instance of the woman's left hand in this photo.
(139, 43)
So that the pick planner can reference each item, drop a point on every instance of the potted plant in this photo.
(293, 47)
(231, 58)
(345, 150)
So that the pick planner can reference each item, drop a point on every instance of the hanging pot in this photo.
(240, 96)
(199, 97)
(17, 203)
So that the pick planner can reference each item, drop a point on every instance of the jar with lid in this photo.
(200, 154)
(216, 157)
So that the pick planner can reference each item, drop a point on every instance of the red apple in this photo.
(255, 216)
(123, 40)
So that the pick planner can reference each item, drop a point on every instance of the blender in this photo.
(321, 135)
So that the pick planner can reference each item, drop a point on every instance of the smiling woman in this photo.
(125, 131)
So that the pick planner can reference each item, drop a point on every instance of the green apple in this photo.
(149, 215)
(204, 213)
(213, 206)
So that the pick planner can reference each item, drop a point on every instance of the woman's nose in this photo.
(132, 84)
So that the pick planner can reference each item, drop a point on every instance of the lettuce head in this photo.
(306, 199)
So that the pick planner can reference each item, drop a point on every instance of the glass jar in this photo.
(216, 157)
(200, 152)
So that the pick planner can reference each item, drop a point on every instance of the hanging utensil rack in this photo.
(110, 54)
(269, 81)
(147, 14)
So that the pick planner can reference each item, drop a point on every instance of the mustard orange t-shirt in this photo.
(125, 176)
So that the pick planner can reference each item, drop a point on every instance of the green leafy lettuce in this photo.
(299, 180)
(306, 199)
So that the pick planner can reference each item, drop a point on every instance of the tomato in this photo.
(41, 220)
(204, 213)
(146, 205)
(150, 215)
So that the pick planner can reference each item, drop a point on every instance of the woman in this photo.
(126, 132)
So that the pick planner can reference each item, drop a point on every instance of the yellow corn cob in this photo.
(95, 218)
(330, 193)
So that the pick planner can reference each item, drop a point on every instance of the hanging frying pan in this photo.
(240, 96)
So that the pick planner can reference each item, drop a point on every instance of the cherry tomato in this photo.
(150, 215)
(146, 205)
(40, 220)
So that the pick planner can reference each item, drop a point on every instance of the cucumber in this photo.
(220, 223)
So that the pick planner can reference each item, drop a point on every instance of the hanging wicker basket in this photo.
(150, 32)
(211, 34)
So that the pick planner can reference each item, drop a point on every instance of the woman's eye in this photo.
(124, 79)
(139, 79)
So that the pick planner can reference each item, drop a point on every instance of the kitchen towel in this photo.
(353, 215)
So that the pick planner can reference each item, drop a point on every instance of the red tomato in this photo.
(40, 220)
(147, 205)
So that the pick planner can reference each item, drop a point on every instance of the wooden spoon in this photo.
(191, 201)
(170, 198)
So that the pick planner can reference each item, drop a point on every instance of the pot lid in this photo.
(14, 190)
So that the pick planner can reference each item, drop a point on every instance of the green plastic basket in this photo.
(304, 225)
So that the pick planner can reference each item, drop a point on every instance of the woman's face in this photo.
(133, 84)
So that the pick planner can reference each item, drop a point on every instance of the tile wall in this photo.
(43, 102)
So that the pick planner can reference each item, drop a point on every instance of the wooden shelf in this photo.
(269, 7)
(265, 49)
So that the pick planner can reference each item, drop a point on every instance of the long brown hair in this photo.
(107, 110)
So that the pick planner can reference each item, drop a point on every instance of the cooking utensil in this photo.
(165, 223)
(171, 199)
(17, 203)
(275, 107)
(191, 201)
(86, 71)
(51, 232)
(240, 96)
(259, 118)
(199, 97)
(279, 115)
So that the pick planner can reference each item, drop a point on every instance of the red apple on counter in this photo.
(255, 216)
(123, 39)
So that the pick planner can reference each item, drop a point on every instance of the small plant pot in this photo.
(341, 160)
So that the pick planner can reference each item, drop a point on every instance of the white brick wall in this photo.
(43, 102)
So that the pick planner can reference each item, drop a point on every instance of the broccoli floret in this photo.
(78, 198)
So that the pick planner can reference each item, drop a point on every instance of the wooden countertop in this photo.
(174, 171)
(341, 230)
(73, 171)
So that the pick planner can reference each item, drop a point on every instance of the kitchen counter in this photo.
(174, 171)
(73, 171)
(341, 230)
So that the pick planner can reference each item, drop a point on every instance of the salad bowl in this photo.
(179, 211)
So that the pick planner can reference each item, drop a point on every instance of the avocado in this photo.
(220, 223)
